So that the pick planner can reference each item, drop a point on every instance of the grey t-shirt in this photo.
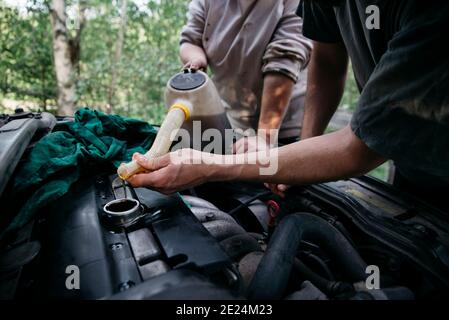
(402, 70)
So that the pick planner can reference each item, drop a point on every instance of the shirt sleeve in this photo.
(288, 51)
(320, 23)
(193, 31)
(403, 112)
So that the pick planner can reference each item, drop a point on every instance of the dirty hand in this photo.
(170, 173)
(250, 144)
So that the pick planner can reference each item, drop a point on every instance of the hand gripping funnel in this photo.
(188, 94)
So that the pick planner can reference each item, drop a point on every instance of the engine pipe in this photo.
(330, 288)
(278, 260)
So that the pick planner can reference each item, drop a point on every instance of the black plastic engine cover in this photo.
(186, 243)
(75, 233)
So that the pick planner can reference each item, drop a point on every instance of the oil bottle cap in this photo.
(188, 80)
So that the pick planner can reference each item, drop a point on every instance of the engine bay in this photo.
(349, 240)
(357, 239)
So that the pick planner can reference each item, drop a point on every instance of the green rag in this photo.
(57, 160)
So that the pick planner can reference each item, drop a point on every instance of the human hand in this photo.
(199, 63)
(278, 189)
(172, 172)
(250, 144)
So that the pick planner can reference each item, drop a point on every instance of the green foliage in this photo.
(150, 57)
(351, 95)
(381, 172)
(349, 103)
(26, 67)
(150, 54)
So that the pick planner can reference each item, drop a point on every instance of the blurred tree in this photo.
(148, 59)
(149, 55)
(66, 54)
(118, 54)
(129, 73)
(26, 67)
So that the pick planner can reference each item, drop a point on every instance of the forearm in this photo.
(277, 91)
(325, 87)
(190, 52)
(330, 157)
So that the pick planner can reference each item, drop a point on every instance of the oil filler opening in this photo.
(121, 206)
(123, 212)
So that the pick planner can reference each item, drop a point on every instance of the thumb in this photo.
(152, 164)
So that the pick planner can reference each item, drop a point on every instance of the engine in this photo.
(342, 240)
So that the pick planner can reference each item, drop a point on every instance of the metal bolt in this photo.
(420, 227)
(116, 246)
(126, 285)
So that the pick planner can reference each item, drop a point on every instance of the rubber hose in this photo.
(278, 260)
(322, 265)
(330, 288)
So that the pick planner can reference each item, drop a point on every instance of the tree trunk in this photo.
(75, 42)
(62, 59)
(117, 56)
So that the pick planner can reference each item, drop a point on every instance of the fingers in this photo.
(195, 65)
(250, 144)
(141, 180)
(151, 164)
(190, 65)
(160, 173)
(278, 189)
(154, 180)
(241, 146)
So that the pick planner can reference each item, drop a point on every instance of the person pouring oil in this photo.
(258, 58)
(403, 113)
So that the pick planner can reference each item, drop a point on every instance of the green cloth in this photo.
(57, 161)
